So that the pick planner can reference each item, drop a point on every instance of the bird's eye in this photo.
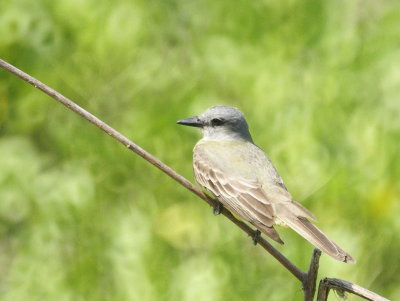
(217, 121)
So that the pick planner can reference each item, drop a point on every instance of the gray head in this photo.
(220, 122)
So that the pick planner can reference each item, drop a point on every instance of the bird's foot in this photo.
(256, 235)
(218, 208)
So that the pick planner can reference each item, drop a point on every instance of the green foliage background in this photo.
(82, 218)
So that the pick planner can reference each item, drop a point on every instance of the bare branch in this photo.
(310, 281)
(326, 284)
(153, 160)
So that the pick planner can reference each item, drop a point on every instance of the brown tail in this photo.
(315, 236)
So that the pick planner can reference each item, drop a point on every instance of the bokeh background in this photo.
(83, 218)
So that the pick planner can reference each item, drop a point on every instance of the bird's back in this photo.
(238, 158)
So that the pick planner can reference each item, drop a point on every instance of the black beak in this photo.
(191, 121)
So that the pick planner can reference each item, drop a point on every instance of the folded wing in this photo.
(244, 198)
(264, 202)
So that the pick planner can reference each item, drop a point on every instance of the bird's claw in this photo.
(256, 235)
(217, 209)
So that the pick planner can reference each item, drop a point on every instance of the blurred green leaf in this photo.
(82, 218)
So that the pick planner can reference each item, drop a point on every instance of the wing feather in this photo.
(244, 198)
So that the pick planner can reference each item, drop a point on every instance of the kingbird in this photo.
(241, 176)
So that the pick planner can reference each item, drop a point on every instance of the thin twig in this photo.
(153, 160)
(342, 286)
(310, 281)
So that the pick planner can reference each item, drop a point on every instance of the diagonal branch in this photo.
(153, 160)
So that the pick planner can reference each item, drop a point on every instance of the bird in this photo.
(241, 176)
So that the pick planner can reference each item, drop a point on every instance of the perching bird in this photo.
(241, 176)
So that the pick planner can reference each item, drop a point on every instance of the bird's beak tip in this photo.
(192, 121)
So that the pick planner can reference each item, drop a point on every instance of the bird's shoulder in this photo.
(238, 159)
(228, 156)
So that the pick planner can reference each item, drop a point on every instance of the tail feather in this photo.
(316, 237)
